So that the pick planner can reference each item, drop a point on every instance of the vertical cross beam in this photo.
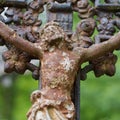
(61, 13)
(76, 96)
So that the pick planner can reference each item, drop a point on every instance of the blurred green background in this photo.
(15, 98)
(100, 97)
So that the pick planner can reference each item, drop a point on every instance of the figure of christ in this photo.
(59, 66)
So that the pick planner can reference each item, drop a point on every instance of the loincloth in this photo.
(45, 109)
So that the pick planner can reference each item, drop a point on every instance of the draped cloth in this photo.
(45, 109)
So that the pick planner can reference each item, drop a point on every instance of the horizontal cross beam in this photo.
(13, 3)
(109, 7)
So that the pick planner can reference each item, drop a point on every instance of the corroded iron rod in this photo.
(13, 3)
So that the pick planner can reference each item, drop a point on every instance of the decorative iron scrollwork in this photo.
(23, 17)
(59, 48)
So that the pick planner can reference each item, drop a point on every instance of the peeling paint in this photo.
(67, 63)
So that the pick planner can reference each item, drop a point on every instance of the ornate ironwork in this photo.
(60, 48)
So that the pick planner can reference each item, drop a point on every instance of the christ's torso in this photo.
(58, 71)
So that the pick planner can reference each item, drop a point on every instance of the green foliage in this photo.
(25, 85)
(100, 99)
(15, 99)
(75, 20)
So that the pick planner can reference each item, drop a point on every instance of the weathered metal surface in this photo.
(57, 66)
(61, 13)
(58, 49)
(26, 24)
(76, 95)
(13, 3)
(109, 5)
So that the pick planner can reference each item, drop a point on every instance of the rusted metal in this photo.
(61, 13)
(109, 5)
(55, 86)
(76, 95)
(61, 50)
(13, 3)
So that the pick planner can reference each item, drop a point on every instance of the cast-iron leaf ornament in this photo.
(60, 50)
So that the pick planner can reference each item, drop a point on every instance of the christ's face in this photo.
(52, 34)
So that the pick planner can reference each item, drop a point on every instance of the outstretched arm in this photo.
(98, 50)
(11, 37)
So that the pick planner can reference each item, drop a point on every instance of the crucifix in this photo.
(61, 52)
